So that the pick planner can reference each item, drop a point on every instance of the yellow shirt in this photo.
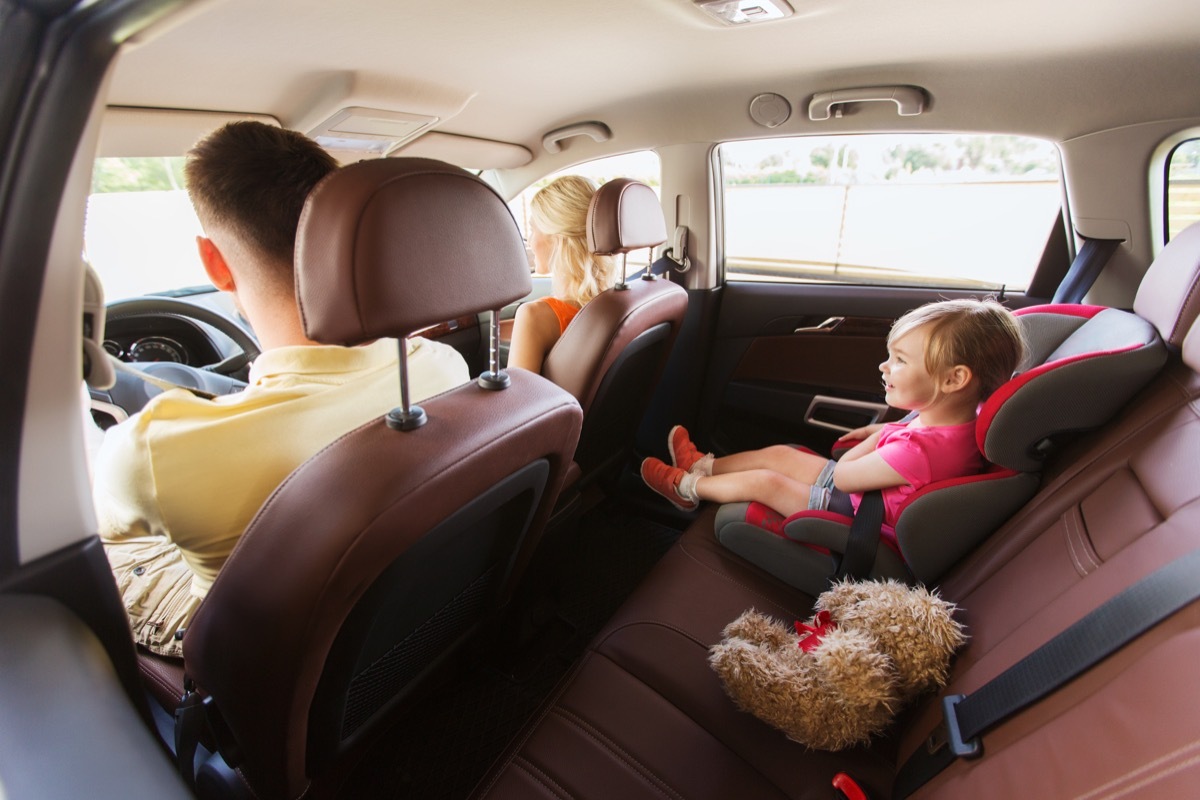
(178, 483)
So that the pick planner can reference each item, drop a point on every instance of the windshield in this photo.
(141, 230)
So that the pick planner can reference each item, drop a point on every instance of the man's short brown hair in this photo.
(251, 179)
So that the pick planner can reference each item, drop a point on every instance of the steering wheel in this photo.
(130, 393)
(170, 307)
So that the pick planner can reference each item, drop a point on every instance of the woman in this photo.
(558, 238)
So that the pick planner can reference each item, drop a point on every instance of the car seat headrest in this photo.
(1084, 363)
(624, 215)
(393, 245)
(1169, 295)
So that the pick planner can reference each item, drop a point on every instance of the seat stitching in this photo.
(1086, 548)
(541, 777)
(1069, 529)
(1149, 773)
(636, 766)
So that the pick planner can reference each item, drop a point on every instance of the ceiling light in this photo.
(370, 131)
(741, 12)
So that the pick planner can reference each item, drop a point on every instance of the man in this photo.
(177, 484)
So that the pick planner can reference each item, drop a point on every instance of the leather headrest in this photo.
(1168, 296)
(390, 246)
(624, 215)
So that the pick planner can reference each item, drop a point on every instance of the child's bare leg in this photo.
(796, 464)
(765, 486)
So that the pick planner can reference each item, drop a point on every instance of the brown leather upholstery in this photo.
(259, 644)
(600, 332)
(378, 253)
(386, 550)
(612, 354)
(1169, 295)
(625, 215)
(643, 716)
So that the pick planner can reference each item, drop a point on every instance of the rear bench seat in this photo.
(643, 715)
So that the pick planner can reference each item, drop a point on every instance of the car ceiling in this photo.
(660, 72)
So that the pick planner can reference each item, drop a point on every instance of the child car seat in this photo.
(1084, 363)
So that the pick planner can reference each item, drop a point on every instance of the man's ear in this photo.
(214, 264)
(956, 378)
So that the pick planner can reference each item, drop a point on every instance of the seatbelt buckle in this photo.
(848, 788)
(953, 733)
(189, 720)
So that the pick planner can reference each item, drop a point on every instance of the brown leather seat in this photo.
(643, 715)
(390, 548)
(612, 354)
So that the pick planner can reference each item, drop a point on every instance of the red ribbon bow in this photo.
(811, 635)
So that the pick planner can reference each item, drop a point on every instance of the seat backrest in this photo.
(612, 354)
(388, 549)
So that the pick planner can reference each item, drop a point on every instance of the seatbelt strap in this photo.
(1088, 264)
(1087, 642)
(862, 544)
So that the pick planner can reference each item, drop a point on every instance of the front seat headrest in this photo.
(624, 215)
(378, 255)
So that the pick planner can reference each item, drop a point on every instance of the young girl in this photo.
(944, 359)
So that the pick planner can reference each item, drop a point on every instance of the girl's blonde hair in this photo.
(979, 334)
(559, 211)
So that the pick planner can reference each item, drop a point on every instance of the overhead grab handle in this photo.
(909, 100)
(553, 140)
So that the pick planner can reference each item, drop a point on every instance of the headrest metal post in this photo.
(495, 378)
(407, 417)
(648, 274)
(621, 285)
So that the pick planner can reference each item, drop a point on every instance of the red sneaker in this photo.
(683, 453)
(664, 479)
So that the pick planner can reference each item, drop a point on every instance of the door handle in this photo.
(828, 326)
(838, 408)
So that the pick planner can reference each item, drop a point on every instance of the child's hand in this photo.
(861, 433)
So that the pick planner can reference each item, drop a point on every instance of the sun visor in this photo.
(467, 151)
(155, 132)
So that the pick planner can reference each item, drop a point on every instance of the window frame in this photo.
(1047, 262)
(1160, 162)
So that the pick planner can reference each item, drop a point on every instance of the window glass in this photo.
(643, 166)
(912, 209)
(1183, 187)
(141, 230)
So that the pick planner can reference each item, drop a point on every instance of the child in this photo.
(944, 359)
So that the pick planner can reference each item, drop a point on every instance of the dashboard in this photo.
(162, 337)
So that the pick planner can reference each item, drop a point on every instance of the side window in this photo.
(643, 165)
(906, 209)
(1183, 187)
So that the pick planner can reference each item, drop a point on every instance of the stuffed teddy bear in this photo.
(870, 648)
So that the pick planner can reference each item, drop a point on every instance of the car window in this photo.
(141, 231)
(643, 165)
(1183, 187)
(908, 210)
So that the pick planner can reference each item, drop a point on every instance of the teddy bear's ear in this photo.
(761, 630)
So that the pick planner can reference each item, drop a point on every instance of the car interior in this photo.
(476, 595)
